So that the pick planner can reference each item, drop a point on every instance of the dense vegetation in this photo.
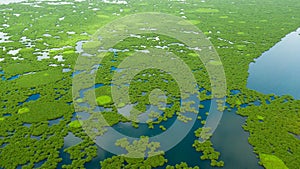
(32, 134)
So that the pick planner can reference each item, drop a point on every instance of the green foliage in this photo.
(103, 100)
(219, 20)
(113, 118)
(273, 129)
(40, 129)
(206, 148)
(39, 78)
(259, 117)
(182, 165)
(162, 128)
(272, 162)
(23, 110)
(43, 111)
(75, 124)
(135, 155)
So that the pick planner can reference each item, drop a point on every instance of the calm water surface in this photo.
(277, 70)
(229, 139)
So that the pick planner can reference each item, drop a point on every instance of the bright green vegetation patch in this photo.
(75, 124)
(260, 117)
(23, 110)
(195, 22)
(207, 10)
(215, 63)
(238, 102)
(193, 54)
(69, 52)
(120, 105)
(162, 128)
(2, 118)
(40, 78)
(240, 47)
(103, 100)
(272, 162)
(80, 100)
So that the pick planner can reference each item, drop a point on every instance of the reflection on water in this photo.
(229, 139)
(232, 141)
(277, 70)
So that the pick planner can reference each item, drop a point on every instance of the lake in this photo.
(277, 70)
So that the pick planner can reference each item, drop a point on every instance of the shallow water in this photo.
(229, 138)
(69, 141)
(32, 97)
(232, 141)
(277, 70)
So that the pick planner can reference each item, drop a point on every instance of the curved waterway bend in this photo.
(277, 70)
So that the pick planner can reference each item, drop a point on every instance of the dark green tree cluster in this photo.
(140, 154)
(182, 165)
(277, 132)
(240, 33)
(206, 147)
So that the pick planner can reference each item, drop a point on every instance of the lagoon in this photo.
(229, 139)
(277, 70)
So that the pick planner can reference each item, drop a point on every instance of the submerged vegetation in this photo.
(134, 158)
(39, 46)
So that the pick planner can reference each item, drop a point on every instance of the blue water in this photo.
(39, 164)
(7, 115)
(235, 92)
(32, 97)
(69, 141)
(27, 125)
(76, 73)
(113, 68)
(277, 70)
(229, 138)
(81, 92)
(14, 77)
(232, 141)
(55, 121)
